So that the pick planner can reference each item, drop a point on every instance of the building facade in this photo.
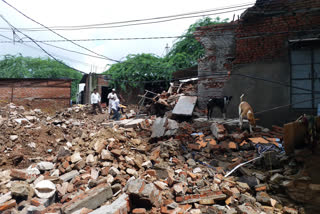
(271, 54)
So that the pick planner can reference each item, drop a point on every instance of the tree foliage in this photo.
(27, 67)
(138, 68)
(143, 67)
(188, 46)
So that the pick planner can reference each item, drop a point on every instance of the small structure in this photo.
(46, 94)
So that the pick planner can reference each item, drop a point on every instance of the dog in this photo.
(245, 111)
(221, 103)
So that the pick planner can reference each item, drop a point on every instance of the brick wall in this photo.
(264, 36)
(218, 41)
(49, 95)
(261, 35)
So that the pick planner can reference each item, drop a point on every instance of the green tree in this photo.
(144, 67)
(28, 67)
(138, 68)
(188, 46)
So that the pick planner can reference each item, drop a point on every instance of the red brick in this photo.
(139, 211)
(19, 174)
(8, 205)
(151, 172)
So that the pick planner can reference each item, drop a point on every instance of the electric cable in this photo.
(58, 33)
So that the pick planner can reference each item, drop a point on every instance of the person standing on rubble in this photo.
(115, 109)
(95, 101)
(112, 96)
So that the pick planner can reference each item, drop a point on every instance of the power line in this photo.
(63, 57)
(40, 46)
(167, 18)
(260, 34)
(283, 106)
(58, 33)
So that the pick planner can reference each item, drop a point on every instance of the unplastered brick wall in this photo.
(265, 29)
(48, 95)
(213, 68)
(262, 33)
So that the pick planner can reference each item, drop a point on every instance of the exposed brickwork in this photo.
(48, 95)
(262, 34)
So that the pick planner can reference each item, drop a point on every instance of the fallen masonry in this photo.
(74, 162)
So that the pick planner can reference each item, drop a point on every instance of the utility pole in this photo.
(167, 49)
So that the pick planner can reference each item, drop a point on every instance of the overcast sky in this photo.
(84, 12)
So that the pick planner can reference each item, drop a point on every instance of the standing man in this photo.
(112, 96)
(95, 101)
(115, 109)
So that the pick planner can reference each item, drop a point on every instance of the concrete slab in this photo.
(185, 105)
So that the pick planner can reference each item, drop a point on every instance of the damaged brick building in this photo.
(46, 94)
(274, 45)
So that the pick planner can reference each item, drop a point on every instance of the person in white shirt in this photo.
(95, 101)
(112, 96)
(115, 109)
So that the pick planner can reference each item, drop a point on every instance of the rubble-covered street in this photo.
(75, 162)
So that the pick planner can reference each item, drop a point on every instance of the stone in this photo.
(75, 157)
(13, 137)
(33, 170)
(45, 189)
(106, 155)
(243, 186)
(132, 172)
(246, 198)
(147, 164)
(179, 189)
(62, 188)
(129, 160)
(6, 197)
(99, 146)
(276, 178)
(80, 165)
(161, 185)
(20, 189)
(134, 123)
(120, 205)
(158, 127)
(91, 199)
(110, 179)
(45, 165)
(63, 151)
(114, 171)
(145, 194)
(116, 152)
(197, 170)
(68, 176)
(94, 173)
(263, 198)
(90, 159)
(191, 162)
(247, 209)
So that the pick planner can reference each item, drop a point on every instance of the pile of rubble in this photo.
(70, 163)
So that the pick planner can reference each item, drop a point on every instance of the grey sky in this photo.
(81, 12)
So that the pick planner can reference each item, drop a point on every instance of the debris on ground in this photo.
(74, 162)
